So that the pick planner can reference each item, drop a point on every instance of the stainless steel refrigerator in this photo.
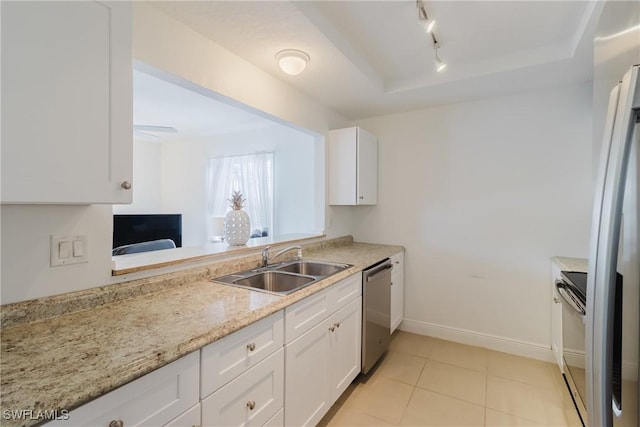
(613, 282)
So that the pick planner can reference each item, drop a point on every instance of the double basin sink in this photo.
(283, 278)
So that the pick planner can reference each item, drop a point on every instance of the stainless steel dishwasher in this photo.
(376, 312)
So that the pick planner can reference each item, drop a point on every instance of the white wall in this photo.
(166, 44)
(148, 178)
(184, 165)
(482, 195)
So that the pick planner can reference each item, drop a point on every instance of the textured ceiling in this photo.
(160, 103)
(372, 58)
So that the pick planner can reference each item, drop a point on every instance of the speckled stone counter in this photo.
(81, 350)
(570, 264)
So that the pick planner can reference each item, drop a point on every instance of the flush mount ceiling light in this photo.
(292, 61)
(429, 25)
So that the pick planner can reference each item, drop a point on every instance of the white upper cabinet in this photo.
(67, 104)
(353, 167)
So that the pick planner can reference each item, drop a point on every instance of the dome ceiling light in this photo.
(292, 61)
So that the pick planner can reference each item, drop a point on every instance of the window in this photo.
(250, 174)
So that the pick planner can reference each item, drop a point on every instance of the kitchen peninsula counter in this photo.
(94, 341)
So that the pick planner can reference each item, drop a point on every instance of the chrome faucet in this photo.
(265, 254)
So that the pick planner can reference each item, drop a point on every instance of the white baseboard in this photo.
(479, 339)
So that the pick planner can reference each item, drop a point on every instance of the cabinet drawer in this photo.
(252, 399)
(152, 400)
(304, 315)
(277, 420)
(227, 358)
(191, 418)
(345, 291)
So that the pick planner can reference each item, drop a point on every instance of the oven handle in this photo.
(569, 298)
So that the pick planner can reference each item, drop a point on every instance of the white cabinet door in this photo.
(353, 167)
(66, 102)
(397, 290)
(252, 399)
(556, 319)
(367, 169)
(152, 400)
(345, 355)
(307, 393)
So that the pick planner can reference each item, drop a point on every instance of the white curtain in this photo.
(250, 174)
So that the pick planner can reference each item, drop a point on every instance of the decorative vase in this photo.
(237, 226)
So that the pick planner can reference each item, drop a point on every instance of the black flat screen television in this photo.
(136, 228)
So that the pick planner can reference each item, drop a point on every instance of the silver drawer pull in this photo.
(116, 423)
(397, 262)
(332, 328)
(251, 346)
(251, 404)
(337, 325)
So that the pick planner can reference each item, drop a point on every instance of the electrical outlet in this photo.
(67, 250)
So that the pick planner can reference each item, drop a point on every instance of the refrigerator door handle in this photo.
(605, 234)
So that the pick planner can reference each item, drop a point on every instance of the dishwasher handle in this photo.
(375, 272)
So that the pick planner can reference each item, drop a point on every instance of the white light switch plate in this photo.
(67, 250)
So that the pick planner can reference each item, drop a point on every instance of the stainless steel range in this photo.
(573, 290)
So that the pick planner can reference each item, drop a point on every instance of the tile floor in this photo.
(424, 381)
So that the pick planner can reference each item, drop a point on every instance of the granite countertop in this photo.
(571, 264)
(64, 361)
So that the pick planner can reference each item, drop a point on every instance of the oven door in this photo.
(573, 345)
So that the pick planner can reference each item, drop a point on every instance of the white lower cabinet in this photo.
(247, 378)
(191, 418)
(277, 420)
(252, 399)
(321, 363)
(345, 345)
(155, 399)
(397, 290)
(307, 395)
(225, 359)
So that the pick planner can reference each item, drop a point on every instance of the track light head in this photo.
(429, 25)
(440, 66)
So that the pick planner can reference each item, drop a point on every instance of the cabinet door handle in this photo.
(251, 346)
(396, 262)
(126, 185)
(116, 423)
(333, 328)
(556, 300)
(361, 197)
(337, 325)
(251, 404)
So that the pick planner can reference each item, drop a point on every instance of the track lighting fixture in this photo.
(429, 25)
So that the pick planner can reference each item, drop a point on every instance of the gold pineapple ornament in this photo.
(237, 226)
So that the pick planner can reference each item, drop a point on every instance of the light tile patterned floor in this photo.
(424, 381)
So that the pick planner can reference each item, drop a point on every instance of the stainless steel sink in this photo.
(275, 281)
(311, 268)
(283, 278)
